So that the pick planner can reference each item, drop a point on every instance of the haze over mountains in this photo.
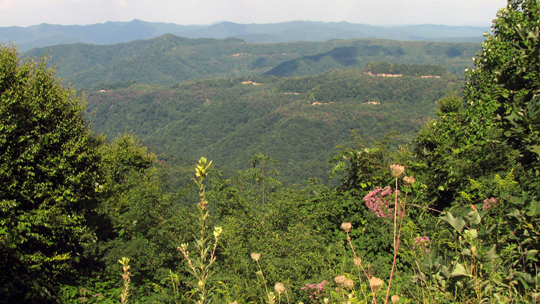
(119, 32)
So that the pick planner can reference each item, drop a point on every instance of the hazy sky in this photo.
(375, 12)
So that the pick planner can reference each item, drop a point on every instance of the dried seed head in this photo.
(395, 299)
(408, 180)
(349, 284)
(234, 302)
(340, 279)
(397, 170)
(357, 261)
(376, 284)
(326, 300)
(256, 256)
(279, 288)
(347, 227)
(259, 273)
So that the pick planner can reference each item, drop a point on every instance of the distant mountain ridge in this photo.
(169, 59)
(43, 35)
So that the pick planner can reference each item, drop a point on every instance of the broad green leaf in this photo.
(458, 223)
(534, 208)
(492, 254)
(460, 271)
(474, 217)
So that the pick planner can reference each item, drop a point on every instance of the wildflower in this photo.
(489, 203)
(279, 288)
(255, 256)
(234, 302)
(421, 242)
(340, 279)
(357, 261)
(217, 231)
(259, 272)
(394, 299)
(376, 284)
(326, 300)
(347, 227)
(397, 170)
(314, 289)
(408, 180)
(378, 201)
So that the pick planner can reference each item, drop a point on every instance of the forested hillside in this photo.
(452, 56)
(169, 59)
(298, 121)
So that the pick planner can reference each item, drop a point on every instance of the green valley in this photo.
(298, 120)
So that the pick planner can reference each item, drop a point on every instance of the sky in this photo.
(186, 12)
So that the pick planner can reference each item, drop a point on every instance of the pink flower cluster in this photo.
(314, 290)
(421, 242)
(378, 201)
(490, 202)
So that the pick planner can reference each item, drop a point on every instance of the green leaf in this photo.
(458, 223)
(534, 208)
(474, 217)
(460, 271)
(492, 254)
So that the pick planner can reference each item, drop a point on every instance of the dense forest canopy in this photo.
(449, 217)
(168, 59)
(298, 121)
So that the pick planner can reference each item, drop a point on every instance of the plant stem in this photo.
(396, 206)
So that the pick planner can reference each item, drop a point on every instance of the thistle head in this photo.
(376, 284)
(255, 256)
(357, 261)
(394, 299)
(347, 227)
(279, 288)
(349, 284)
(340, 279)
(397, 170)
(408, 180)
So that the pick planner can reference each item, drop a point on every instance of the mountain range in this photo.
(169, 59)
(44, 35)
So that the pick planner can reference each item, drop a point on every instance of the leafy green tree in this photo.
(506, 79)
(49, 164)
